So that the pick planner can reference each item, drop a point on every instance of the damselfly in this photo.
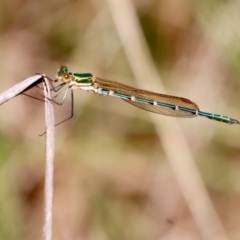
(149, 101)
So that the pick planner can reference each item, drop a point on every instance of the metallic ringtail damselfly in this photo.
(150, 101)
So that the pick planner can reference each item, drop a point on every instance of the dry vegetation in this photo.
(120, 172)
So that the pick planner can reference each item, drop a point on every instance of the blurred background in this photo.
(121, 172)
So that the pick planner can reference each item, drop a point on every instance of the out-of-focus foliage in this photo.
(112, 176)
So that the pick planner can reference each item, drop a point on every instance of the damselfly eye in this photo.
(65, 78)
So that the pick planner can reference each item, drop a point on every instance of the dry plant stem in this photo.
(48, 193)
(49, 122)
(169, 131)
(20, 87)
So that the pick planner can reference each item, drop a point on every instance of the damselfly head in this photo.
(63, 75)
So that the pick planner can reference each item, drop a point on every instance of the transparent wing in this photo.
(130, 91)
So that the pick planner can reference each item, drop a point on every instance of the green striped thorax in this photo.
(75, 79)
